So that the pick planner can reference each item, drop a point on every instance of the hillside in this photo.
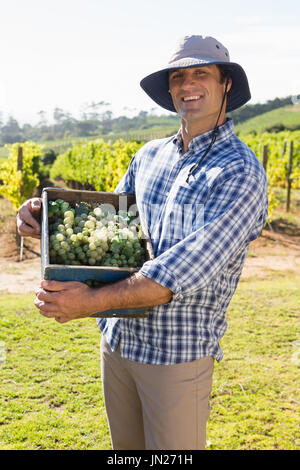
(288, 116)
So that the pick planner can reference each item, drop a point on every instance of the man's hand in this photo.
(28, 214)
(65, 301)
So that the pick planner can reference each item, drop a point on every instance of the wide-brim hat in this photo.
(197, 51)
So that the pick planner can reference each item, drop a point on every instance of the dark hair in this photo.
(224, 73)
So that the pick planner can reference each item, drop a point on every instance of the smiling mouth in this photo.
(191, 98)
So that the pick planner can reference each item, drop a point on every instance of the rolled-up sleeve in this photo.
(234, 215)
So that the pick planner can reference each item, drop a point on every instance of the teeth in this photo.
(190, 98)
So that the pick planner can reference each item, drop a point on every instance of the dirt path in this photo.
(271, 254)
(20, 277)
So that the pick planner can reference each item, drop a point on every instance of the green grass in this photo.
(288, 116)
(50, 384)
(254, 401)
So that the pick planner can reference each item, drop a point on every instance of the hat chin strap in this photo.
(215, 134)
(222, 104)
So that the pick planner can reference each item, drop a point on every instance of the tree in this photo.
(12, 126)
(58, 115)
(92, 111)
(42, 119)
(17, 186)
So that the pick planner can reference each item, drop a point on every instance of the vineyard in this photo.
(50, 381)
(99, 165)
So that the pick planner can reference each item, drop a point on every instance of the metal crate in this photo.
(101, 274)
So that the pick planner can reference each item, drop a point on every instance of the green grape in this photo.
(69, 214)
(60, 237)
(68, 221)
(89, 235)
(65, 246)
(89, 224)
(59, 202)
(127, 252)
(97, 212)
(64, 206)
(61, 252)
(61, 228)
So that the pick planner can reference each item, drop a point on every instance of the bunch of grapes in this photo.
(86, 234)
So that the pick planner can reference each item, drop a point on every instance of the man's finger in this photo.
(46, 296)
(26, 217)
(27, 224)
(27, 230)
(56, 286)
(61, 319)
(46, 308)
(36, 204)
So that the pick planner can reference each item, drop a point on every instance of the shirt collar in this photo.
(202, 140)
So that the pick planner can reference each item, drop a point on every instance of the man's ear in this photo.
(229, 85)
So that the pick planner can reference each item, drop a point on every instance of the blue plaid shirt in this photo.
(200, 232)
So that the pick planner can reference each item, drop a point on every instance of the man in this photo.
(202, 198)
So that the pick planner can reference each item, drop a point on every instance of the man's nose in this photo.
(188, 81)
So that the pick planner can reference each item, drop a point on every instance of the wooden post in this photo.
(284, 148)
(289, 180)
(20, 164)
(265, 157)
(19, 239)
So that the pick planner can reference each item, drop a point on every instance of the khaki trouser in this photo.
(149, 406)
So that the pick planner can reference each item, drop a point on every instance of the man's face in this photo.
(196, 92)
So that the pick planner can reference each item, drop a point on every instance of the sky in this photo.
(70, 53)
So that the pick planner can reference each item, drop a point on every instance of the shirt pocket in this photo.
(194, 192)
(185, 210)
